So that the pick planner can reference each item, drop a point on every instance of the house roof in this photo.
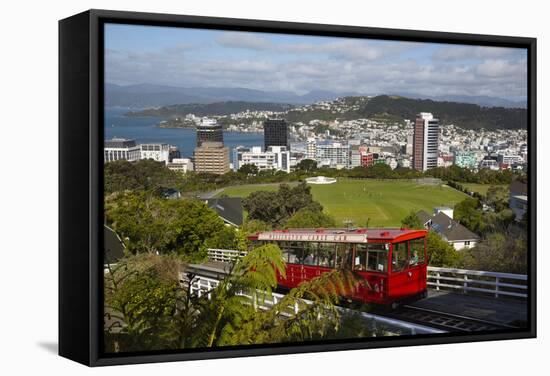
(113, 247)
(451, 229)
(230, 209)
(518, 188)
(423, 216)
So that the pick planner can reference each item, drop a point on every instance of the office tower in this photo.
(425, 142)
(209, 130)
(212, 157)
(276, 133)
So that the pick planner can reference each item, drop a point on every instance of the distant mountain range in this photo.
(150, 95)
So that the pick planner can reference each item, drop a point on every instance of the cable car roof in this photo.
(336, 235)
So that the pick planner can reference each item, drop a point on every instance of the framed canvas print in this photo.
(235, 187)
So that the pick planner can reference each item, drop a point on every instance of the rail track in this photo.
(445, 321)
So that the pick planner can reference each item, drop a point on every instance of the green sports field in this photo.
(383, 202)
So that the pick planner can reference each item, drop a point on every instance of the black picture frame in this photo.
(81, 182)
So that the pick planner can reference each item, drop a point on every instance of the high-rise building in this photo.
(212, 157)
(276, 133)
(120, 149)
(425, 142)
(209, 130)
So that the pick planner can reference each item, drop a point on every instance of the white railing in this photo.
(203, 285)
(465, 281)
(224, 255)
(458, 280)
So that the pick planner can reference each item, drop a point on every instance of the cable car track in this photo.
(446, 321)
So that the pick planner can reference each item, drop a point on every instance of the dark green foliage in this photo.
(441, 253)
(464, 175)
(275, 208)
(412, 222)
(145, 174)
(226, 238)
(140, 301)
(154, 225)
(306, 218)
(248, 169)
(500, 252)
(468, 213)
(252, 226)
(307, 165)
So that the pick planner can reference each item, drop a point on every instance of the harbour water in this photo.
(144, 130)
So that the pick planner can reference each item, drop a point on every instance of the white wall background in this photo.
(28, 185)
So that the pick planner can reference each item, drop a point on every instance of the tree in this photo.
(468, 214)
(441, 253)
(140, 301)
(307, 165)
(412, 221)
(223, 239)
(504, 252)
(306, 218)
(248, 169)
(145, 174)
(275, 208)
(154, 225)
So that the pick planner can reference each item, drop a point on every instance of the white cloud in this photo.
(346, 66)
(243, 40)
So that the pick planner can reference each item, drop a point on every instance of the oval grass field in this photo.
(382, 202)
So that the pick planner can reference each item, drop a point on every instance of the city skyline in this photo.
(300, 64)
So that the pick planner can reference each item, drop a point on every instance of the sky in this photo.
(184, 57)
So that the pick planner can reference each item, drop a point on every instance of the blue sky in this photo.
(295, 63)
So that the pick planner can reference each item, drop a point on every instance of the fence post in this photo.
(465, 283)
(437, 281)
(497, 280)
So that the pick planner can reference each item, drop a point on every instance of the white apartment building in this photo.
(509, 159)
(333, 155)
(117, 149)
(274, 158)
(157, 152)
(182, 165)
(311, 148)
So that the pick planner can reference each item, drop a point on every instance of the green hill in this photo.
(464, 115)
(209, 109)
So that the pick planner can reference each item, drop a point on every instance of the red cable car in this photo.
(392, 261)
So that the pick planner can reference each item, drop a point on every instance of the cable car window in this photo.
(295, 253)
(399, 256)
(417, 251)
(310, 253)
(343, 255)
(378, 257)
(326, 254)
(371, 257)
